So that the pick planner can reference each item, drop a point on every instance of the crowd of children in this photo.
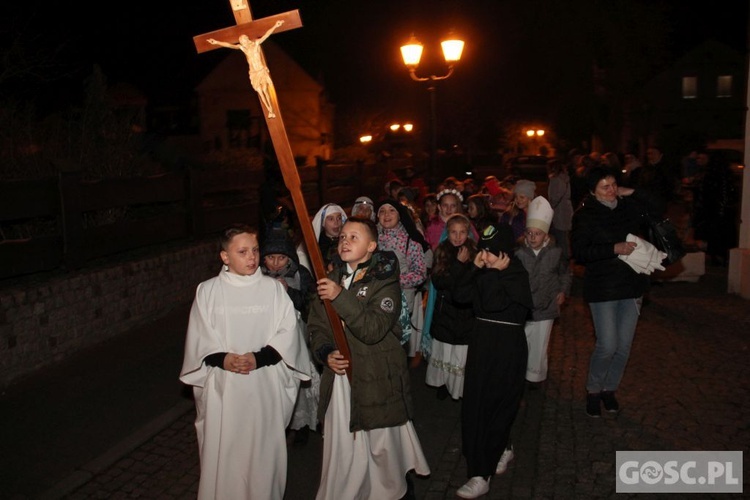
(479, 288)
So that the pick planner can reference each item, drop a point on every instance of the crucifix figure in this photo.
(260, 77)
(259, 31)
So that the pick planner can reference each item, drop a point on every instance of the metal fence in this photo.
(66, 222)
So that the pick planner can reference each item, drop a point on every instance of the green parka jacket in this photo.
(369, 309)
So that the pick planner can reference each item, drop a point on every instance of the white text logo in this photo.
(679, 471)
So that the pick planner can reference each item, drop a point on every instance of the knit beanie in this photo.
(525, 187)
(539, 215)
(277, 241)
(597, 173)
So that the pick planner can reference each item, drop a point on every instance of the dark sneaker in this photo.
(409, 495)
(301, 436)
(593, 405)
(534, 386)
(610, 403)
(442, 393)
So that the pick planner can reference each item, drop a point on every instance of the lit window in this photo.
(689, 87)
(724, 86)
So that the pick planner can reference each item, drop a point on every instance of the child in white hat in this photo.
(550, 280)
(364, 207)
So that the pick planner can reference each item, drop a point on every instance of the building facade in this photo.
(231, 118)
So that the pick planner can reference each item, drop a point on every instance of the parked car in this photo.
(531, 167)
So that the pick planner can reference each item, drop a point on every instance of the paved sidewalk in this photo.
(685, 388)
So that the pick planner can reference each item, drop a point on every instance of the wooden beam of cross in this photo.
(253, 29)
(259, 30)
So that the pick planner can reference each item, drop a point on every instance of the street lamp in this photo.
(534, 134)
(405, 127)
(411, 52)
(398, 139)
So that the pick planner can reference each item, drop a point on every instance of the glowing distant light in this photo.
(408, 127)
(530, 133)
(395, 127)
(540, 132)
(364, 139)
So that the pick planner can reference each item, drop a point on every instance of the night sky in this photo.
(517, 52)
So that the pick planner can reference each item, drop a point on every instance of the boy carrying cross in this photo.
(370, 443)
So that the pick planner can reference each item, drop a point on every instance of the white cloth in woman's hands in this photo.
(645, 258)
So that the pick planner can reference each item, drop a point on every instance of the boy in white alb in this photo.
(244, 357)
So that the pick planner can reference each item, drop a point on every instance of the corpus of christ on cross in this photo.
(247, 36)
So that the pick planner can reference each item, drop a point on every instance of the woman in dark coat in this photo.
(612, 288)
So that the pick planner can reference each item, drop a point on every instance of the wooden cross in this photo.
(254, 30)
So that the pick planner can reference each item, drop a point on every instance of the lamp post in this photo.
(411, 52)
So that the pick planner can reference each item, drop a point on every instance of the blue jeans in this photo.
(614, 325)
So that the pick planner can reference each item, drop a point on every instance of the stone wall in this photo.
(44, 320)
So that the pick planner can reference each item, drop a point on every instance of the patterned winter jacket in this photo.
(369, 309)
(411, 261)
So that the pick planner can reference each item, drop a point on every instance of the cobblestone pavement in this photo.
(685, 388)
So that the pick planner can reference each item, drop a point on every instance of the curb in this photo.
(87, 471)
